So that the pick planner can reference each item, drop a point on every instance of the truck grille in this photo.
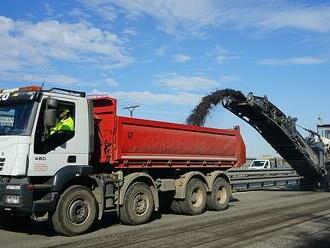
(2, 163)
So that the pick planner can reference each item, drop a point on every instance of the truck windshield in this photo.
(15, 118)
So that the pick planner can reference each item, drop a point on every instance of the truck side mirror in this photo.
(50, 112)
(52, 103)
(50, 117)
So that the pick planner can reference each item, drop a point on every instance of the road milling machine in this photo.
(310, 156)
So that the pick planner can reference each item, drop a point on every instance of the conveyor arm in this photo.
(279, 131)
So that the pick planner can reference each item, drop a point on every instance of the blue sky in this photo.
(165, 55)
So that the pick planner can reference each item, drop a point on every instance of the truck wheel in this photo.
(76, 211)
(138, 204)
(218, 199)
(175, 207)
(14, 221)
(195, 200)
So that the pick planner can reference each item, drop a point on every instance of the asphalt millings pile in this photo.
(200, 113)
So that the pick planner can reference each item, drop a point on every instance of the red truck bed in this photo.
(137, 143)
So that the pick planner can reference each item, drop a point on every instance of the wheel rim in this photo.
(141, 203)
(79, 211)
(221, 195)
(197, 197)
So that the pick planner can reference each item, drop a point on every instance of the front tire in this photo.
(76, 211)
(138, 205)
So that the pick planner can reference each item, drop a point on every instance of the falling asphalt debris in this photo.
(200, 113)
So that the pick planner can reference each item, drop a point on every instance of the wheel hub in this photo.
(141, 204)
(221, 195)
(197, 197)
(79, 211)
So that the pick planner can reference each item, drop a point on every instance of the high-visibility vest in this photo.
(63, 125)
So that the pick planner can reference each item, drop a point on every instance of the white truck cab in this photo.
(35, 165)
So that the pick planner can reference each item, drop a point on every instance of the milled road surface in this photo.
(275, 218)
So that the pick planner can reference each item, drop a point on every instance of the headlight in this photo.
(13, 187)
(13, 199)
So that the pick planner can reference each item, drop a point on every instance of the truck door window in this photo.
(48, 139)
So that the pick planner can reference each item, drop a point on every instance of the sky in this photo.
(165, 55)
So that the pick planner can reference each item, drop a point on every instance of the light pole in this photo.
(131, 109)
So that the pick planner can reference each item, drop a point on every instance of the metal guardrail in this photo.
(244, 179)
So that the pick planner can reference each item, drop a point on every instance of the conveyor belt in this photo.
(279, 131)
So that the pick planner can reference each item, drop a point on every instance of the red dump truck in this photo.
(108, 163)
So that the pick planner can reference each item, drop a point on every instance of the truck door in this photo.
(51, 150)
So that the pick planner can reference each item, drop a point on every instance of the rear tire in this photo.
(76, 211)
(219, 198)
(195, 200)
(138, 205)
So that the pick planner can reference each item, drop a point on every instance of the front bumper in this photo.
(24, 193)
(34, 199)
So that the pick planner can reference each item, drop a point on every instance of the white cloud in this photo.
(186, 83)
(277, 14)
(103, 7)
(149, 98)
(32, 48)
(49, 9)
(111, 82)
(172, 15)
(309, 18)
(58, 79)
(47, 78)
(77, 13)
(227, 79)
(130, 31)
(223, 55)
(181, 58)
(293, 61)
(27, 44)
(161, 51)
(195, 16)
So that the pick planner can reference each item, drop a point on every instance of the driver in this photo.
(64, 121)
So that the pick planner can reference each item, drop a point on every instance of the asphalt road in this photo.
(274, 218)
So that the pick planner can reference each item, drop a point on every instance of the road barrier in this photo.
(244, 179)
